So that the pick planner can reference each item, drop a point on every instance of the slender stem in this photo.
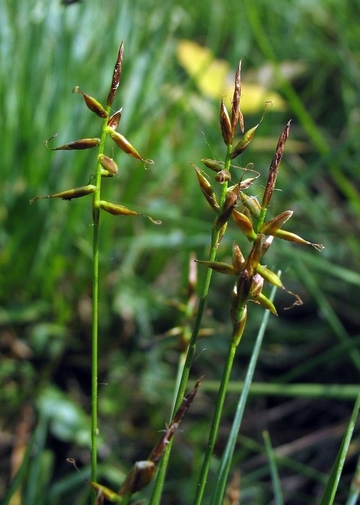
(156, 495)
(95, 317)
(216, 421)
(226, 459)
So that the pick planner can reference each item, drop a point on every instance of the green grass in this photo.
(45, 250)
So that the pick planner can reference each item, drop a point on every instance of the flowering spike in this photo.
(91, 103)
(114, 120)
(69, 194)
(225, 124)
(116, 75)
(274, 167)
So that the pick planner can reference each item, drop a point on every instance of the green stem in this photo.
(216, 420)
(217, 496)
(95, 316)
(156, 495)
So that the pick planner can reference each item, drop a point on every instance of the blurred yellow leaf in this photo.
(214, 78)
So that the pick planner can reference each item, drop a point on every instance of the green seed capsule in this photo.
(69, 194)
(292, 237)
(214, 165)
(244, 142)
(121, 210)
(251, 203)
(266, 303)
(269, 276)
(123, 143)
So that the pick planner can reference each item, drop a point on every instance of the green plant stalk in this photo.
(216, 420)
(95, 314)
(230, 446)
(159, 483)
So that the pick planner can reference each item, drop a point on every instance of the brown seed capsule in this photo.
(123, 143)
(225, 124)
(69, 194)
(206, 189)
(245, 224)
(139, 477)
(274, 167)
(78, 145)
(108, 164)
(236, 114)
(240, 294)
(92, 104)
(116, 75)
(114, 120)
(223, 176)
(238, 259)
(270, 227)
(231, 200)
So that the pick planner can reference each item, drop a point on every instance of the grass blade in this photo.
(332, 484)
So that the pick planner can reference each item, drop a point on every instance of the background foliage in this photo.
(45, 250)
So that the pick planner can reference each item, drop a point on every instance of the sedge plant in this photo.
(249, 215)
(143, 471)
(229, 202)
